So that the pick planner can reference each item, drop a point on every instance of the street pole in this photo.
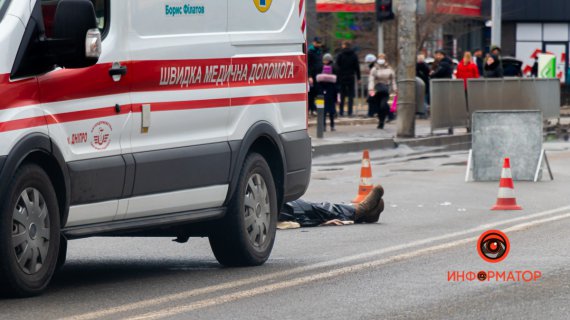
(497, 12)
(320, 117)
(380, 38)
(407, 68)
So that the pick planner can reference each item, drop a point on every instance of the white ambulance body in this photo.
(147, 118)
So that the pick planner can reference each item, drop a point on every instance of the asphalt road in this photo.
(396, 269)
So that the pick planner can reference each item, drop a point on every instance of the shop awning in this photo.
(346, 5)
(471, 8)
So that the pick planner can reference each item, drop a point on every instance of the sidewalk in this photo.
(357, 134)
(360, 133)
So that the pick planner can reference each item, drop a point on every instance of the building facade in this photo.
(531, 27)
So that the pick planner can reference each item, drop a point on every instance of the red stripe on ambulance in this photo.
(156, 107)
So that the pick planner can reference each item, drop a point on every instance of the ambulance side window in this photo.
(101, 11)
(3, 7)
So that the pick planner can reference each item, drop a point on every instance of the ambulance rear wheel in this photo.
(29, 233)
(247, 232)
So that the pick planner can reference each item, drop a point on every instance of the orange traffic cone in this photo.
(506, 199)
(365, 178)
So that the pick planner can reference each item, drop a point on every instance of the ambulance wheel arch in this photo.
(34, 166)
(263, 139)
(38, 149)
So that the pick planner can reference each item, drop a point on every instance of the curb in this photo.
(448, 143)
(348, 122)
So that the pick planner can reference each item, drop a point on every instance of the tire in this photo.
(29, 233)
(246, 235)
(62, 256)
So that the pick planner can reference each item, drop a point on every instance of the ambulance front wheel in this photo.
(246, 235)
(29, 233)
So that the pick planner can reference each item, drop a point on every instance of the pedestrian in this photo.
(493, 67)
(422, 72)
(348, 72)
(327, 84)
(493, 64)
(381, 81)
(442, 67)
(370, 59)
(314, 66)
(467, 69)
(534, 70)
(478, 59)
(311, 214)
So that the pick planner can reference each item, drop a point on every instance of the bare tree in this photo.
(438, 13)
(361, 28)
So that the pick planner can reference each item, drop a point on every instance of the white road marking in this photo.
(271, 276)
(324, 275)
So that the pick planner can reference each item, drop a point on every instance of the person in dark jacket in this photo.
(534, 71)
(348, 70)
(493, 67)
(314, 66)
(479, 60)
(422, 72)
(443, 67)
(493, 64)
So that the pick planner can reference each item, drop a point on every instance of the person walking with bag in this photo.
(382, 80)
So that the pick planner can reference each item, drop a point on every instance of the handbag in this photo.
(394, 107)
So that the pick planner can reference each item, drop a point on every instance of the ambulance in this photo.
(147, 118)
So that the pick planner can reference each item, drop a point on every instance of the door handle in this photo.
(117, 71)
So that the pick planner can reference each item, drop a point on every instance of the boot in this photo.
(374, 216)
(367, 209)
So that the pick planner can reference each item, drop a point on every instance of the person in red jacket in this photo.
(467, 69)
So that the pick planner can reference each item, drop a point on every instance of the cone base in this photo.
(359, 199)
(506, 208)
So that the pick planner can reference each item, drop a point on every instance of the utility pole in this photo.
(497, 20)
(407, 68)
(380, 37)
(384, 12)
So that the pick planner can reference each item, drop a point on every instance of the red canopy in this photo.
(470, 8)
(346, 6)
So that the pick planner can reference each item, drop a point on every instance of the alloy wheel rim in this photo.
(30, 231)
(257, 210)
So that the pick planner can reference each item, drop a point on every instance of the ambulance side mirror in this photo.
(76, 39)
